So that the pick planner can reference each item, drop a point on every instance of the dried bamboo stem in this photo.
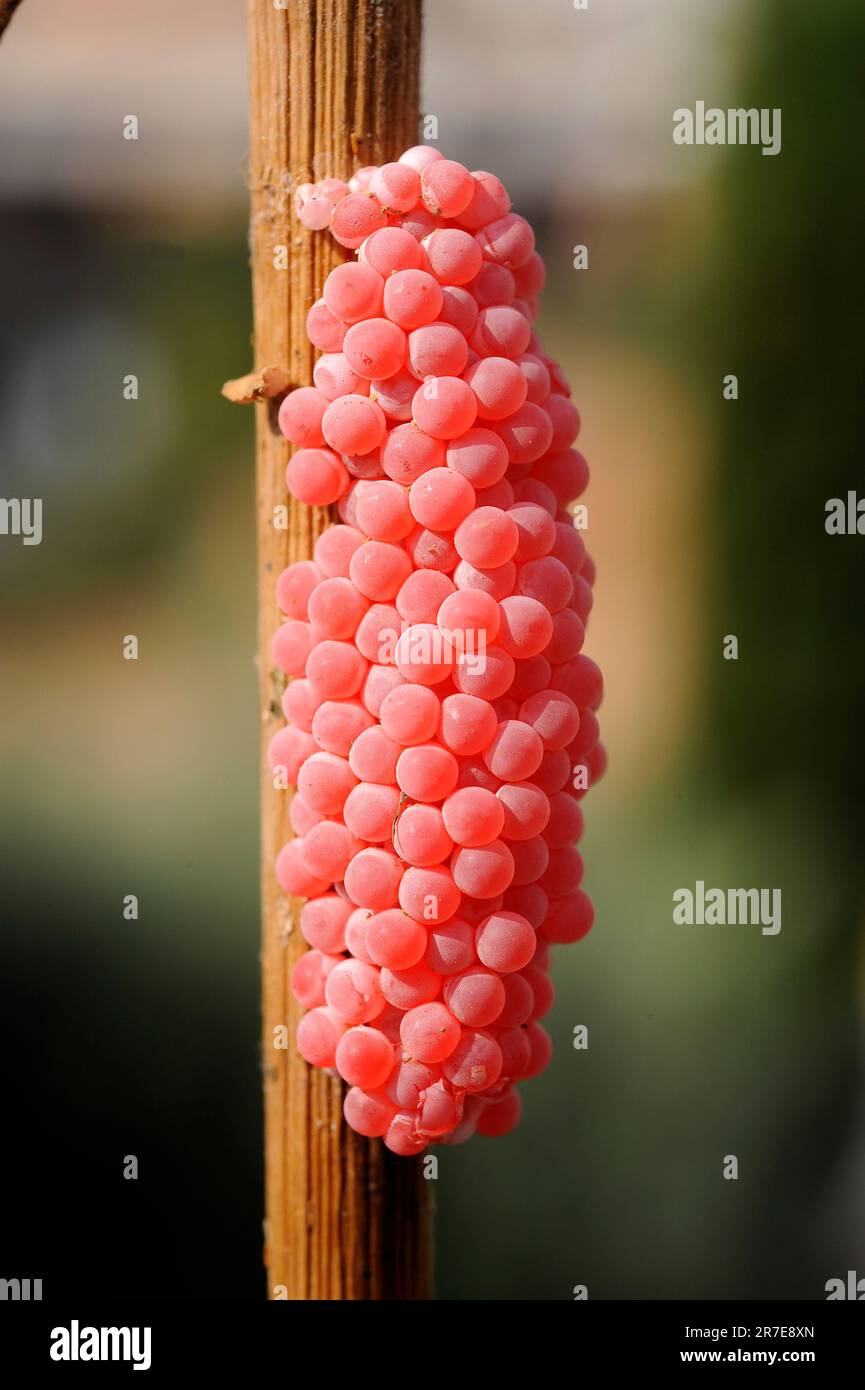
(333, 85)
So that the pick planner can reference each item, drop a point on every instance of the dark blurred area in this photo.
(140, 1037)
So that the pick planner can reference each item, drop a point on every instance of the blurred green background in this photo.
(706, 518)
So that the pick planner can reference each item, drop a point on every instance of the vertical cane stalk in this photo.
(334, 84)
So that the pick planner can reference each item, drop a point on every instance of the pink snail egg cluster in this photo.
(441, 716)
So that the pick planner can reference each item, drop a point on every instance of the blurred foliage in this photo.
(131, 1037)
(711, 1043)
(90, 302)
(785, 316)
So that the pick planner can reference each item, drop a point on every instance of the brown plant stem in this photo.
(333, 85)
